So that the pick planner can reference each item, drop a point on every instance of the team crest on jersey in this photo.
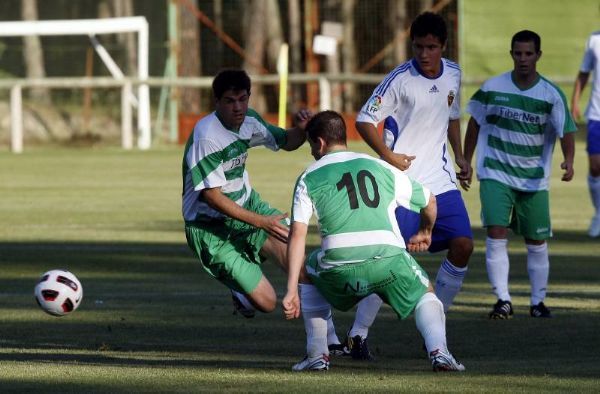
(374, 104)
(451, 95)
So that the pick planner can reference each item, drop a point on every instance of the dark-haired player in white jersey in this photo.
(419, 105)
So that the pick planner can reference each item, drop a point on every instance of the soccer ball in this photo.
(58, 292)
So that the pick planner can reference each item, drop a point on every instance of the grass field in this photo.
(152, 321)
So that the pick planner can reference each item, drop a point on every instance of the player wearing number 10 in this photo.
(354, 197)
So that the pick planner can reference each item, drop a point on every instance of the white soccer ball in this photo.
(58, 292)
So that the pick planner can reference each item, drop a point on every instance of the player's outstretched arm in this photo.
(369, 133)
(580, 83)
(297, 135)
(421, 241)
(295, 261)
(271, 224)
(567, 144)
(469, 149)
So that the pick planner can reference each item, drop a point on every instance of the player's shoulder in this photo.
(497, 82)
(395, 76)
(553, 89)
(204, 127)
(450, 65)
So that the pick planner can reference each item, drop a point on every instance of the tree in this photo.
(398, 16)
(295, 41)
(255, 33)
(33, 54)
(189, 58)
(349, 51)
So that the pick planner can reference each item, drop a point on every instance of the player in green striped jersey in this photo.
(515, 120)
(228, 226)
(354, 197)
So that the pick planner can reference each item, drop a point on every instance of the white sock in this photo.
(365, 316)
(496, 261)
(332, 338)
(594, 186)
(538, 267)
(243, 299)
(315, 311)
(448, 282)
(431, 322)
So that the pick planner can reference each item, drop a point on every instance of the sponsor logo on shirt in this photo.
(542, 230)
(451, 95)
(520, 116)
(374, 104)
(237, 161)
(434, 89)
(501, 98)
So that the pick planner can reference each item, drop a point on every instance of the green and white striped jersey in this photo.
(518, 129)
(354, 197)
(216, 157)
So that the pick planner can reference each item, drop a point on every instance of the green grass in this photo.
(153, 321)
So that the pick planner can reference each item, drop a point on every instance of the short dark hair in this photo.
(527, 36)
(230, 79)
(429, 23)
(328, 125)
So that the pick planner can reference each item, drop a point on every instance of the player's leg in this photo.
(497, 201)
(276, 250)
(412, 291)
(356, 341)
(532, 221)
(431, 323)
(593, 149)
(452, 231)
(316, 311)
(217, 245)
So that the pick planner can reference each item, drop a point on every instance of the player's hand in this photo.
(419, 242)
(466, 173)
(302, 117)
(291, 305)
(273, 226)
(569, 171)
(401, 161)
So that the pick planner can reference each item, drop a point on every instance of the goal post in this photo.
(92, 27)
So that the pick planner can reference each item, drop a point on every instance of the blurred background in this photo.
(338, 51)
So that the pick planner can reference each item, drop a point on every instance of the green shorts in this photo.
(527, 213)
(229, 249)
(398, 280)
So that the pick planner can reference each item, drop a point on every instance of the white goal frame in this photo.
(92, 27)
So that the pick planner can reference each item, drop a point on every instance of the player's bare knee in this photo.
(265, 302)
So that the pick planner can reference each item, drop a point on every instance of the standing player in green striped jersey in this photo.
(354, 197)
(227, 225)
(515, 120)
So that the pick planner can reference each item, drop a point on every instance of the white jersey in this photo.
(416, 110)
(591, 63)
(518, 129)
(216, 157)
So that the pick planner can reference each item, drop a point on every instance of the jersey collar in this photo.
(416, 66)
(535, 81)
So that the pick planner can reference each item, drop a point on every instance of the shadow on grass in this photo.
(155, 298)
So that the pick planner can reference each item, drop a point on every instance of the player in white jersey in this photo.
(515, 120)
(362, 252)
(419, 105)
(591, 64)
